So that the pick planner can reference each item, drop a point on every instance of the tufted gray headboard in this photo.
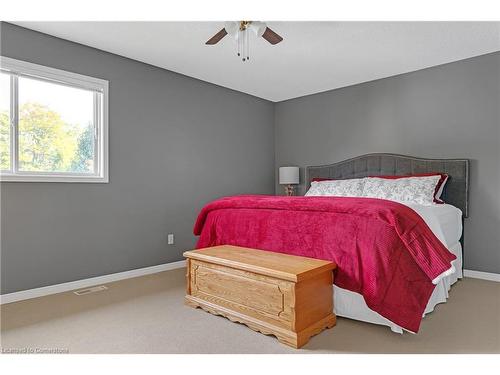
(456, 191)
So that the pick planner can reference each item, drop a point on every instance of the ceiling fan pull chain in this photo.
(244, 37)
(248, 44)
(238, 41)
(243, 45)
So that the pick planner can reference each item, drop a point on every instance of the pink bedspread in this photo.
(384, 250)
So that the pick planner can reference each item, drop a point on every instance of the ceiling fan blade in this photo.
(217, 37)
(271, 36)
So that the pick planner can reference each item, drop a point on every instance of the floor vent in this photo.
(93, 289)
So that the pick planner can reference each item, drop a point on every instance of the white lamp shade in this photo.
(231, 28)
(258, 28)
(289, 175)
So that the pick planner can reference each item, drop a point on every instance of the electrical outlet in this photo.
(170, 239)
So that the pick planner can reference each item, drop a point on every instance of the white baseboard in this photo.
(482, 275)
(85, 283)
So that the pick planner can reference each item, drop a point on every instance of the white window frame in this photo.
(100, 87)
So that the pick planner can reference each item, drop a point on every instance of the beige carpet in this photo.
(147, 315)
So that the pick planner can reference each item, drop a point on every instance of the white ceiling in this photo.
(314, 56)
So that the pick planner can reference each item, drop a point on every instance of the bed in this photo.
(388, 285)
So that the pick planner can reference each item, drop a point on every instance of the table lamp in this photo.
(289, 176)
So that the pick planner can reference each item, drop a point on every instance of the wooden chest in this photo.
(287, 296)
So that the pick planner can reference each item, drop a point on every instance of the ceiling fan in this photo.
(240, 31)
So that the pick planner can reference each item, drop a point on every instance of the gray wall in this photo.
(446, 111)
(175, 143)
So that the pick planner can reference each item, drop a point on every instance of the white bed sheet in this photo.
(445, 221)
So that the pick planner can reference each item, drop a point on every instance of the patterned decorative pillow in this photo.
(419, 190)
(337, 188)
(439, 187)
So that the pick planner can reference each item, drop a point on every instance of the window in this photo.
(53, 124)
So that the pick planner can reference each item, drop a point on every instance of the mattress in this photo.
(445, 221)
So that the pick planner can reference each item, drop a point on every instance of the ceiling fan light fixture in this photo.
(231, 28)
(258, 28)
(240, 31)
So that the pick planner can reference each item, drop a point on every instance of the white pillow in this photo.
(419, 190)
(337, 188)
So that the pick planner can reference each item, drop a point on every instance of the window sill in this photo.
(54, 178)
